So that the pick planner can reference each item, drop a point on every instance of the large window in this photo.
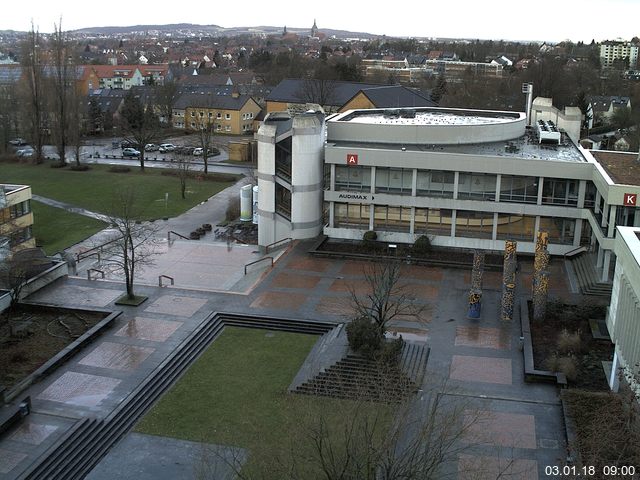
(17, 237)
(560, 230)
(477, 186)
(474, 224)
(19, 209)
(514, 188)
(283, 159)
(393, 219)
(516, 227)
(560, 191)
(351, 215)
(355, 179)
(283, 201)
(436, 221)
(394, 180)
(435, 183)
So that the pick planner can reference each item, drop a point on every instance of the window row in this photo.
(218, 115)
(15, 211)
(17, 237)
(438, 221)
(471, 186)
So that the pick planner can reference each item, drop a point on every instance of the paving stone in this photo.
(352, 267)
(32, 433)
(471, 467)
(483, 337)
(80, 389)
(421, 292)
(481, 369)
(490, 280)
(309, 264)
(279, 300)
(502, 429)
(117, 356)
(176, 305)
(419, 272)
(9, 459)
(78, 295)
(288, 280)
(360, 287)
(334, 306)
(156, 330)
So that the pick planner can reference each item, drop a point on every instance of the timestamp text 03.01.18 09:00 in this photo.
(625, 471)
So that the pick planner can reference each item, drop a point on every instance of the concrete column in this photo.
(456, 180)
(498, 181)
(614, 382)
(453, 223)
(605, 266)
(577, 233)
(331, 214)
(582, 193)
(605, 215)
(372, 212)
(612, 221)
(596, 207)
(540, 187)
(414, 183)
(373, 181)
(412, 224)
(332, 180)
(536, 229)
(600, 256)
(494, 233)
(636, 218)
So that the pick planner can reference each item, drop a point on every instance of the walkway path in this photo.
(480, 360)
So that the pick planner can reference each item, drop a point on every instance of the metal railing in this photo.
(176, 234)
(258, 261)
(160, 277)
(94, 270)
(575, 251)
(95, 250)
(288, 239)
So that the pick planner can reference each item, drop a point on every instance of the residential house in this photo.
(153, 74)
(603, 107)
(118, 76)
(387, 96)
(16, 219)
(612, 51)
(232, 114)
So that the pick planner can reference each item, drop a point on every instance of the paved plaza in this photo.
(521, 429)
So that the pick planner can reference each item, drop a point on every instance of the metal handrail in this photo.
(579, 249)
(160, 277)
(288, 239)
(177, 234)
(92, 251)
(257, 261)
(94, 270)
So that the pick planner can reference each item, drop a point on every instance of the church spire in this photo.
(314, 29)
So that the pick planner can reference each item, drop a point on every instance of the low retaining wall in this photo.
(66, 353)
(531, 374)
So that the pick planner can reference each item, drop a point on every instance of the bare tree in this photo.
(387, 297)
(184, 171)
(34, 90)
(139, 124)
(9, 108)
(166, 96)
(205, 139)
(136, 241)
(319, 91)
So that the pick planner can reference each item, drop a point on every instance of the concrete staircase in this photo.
(88, 441)
(357, 378)
(588, 279)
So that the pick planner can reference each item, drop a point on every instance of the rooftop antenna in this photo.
(528, 89)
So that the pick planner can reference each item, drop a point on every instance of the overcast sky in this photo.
(487, 19)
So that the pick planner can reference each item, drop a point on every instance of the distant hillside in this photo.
(194, 29)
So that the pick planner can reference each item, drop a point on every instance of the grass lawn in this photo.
(56, 229)
(93, 189)
(236, 394)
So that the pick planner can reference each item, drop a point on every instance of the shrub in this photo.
(391, 350)
(233, 209)
(422, 245)
(567, 365)
(370, 236)
(119, 169)
(79, 168)
(364, 337)
(568, 342)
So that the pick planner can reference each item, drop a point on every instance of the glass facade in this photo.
(433, 221)
(435, 183)
(354, 179)
(516, 227)
(474, 224)
(477, 186)
(351, 215)
(560, 191)
(392, 219)
(394, 180)
(560, 230)
(283, 201)
(518, 189)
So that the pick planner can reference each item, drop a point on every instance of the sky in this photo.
(576, 20)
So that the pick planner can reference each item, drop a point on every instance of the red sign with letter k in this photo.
(352, 159)
(630, 199)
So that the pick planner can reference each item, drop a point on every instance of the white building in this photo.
(467, 178)
(612, 51)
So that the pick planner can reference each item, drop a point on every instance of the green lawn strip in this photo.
(93, 189)
(56, 229)
(236, 394)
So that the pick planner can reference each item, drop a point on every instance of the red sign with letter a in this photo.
(630, 199)
(352, 159)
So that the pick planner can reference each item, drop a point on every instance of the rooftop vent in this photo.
(548, 132)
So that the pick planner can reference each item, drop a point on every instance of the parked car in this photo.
(130, 152)
(25, 152)
(197, 151)
(151, 147)
(167, 147)
(188, 150)
(127, 144)
(18, 142)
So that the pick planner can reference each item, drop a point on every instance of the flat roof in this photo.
(525, 147)
(428, 116)
(622, 167)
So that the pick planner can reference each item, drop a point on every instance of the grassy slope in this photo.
(235, 394)
(56, 229)
(93, 189)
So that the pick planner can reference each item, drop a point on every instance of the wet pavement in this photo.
(522, 429)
